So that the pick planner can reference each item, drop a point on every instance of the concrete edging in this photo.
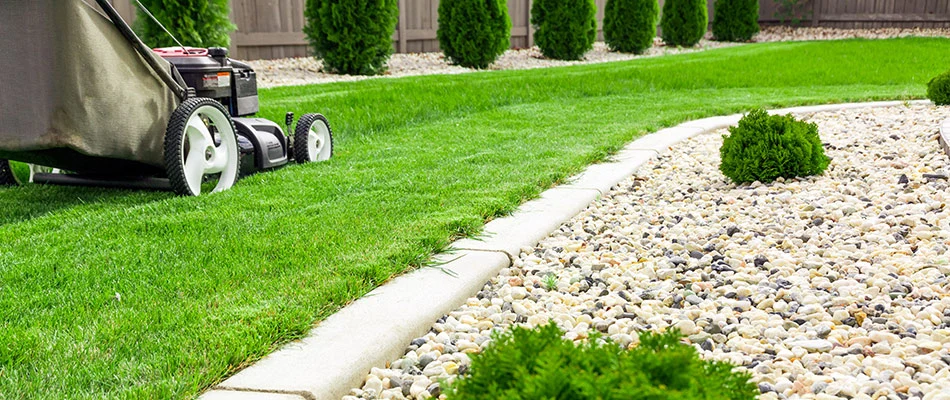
(339, 351)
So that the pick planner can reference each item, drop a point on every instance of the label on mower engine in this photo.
(221, 79)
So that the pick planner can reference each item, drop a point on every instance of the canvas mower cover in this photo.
(75, 94)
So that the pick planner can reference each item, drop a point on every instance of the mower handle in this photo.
(143, 50)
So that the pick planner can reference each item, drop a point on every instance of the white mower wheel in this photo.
(7, 178)
(200, 142)
(313, 139)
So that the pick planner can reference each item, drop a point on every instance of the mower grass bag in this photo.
(75, 95)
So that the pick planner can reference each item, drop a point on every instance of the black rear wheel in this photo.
(6, 174)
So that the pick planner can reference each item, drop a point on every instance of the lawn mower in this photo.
(83, 101)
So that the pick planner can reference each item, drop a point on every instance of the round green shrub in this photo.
(684, 22)
(540, 364)
(564, 29)
(197, 23)
(630, 25)
(764, 147)
(938, 89)
(736, 20)
(473, 33)
(352, 36)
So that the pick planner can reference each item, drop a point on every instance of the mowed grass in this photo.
(125, 294)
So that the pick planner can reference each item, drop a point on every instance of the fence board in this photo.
(887, 17)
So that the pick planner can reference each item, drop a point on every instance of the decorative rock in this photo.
(418, 387)
(433, 369)
(435, 390)
(374, 384)
(816, 345)
(686, 327)
(519, 293)
(425, 360)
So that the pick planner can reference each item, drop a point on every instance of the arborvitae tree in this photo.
(736, 20)
(197, 23)
(938, 89)
(630, 25)
(473, 33)
(684, 22)
(764, 147)
(352, 36)
(564, 29)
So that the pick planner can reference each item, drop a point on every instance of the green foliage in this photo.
(549, 281)
(564, 29)
(352, 36)
(764, 147)
(630, 25)
(473, 33)
(684, 22)
(736, 20)
(539, 364)
(938, 89)
(792, 11)
(197, 23)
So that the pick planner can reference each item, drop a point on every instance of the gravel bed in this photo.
(306, 70)
(824, 287)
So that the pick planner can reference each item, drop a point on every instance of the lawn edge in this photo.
(339, 351)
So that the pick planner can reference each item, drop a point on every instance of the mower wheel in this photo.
(200, 145)
(313, 139)
(6, 174)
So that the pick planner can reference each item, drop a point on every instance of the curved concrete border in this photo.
(375, 329)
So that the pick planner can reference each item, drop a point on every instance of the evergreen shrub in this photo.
(473, 33)
(764, 147)
(196, 23)
(683, 22)
(736, 20)
(630, 25)
(564, 29)
(938, 89)
(539, 364)
(352, 36)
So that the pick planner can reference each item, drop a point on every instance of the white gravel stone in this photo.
(816, 345)
(818, 310)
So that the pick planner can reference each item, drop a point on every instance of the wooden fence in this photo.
(274, 28)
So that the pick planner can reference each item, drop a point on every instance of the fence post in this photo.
(815, 10)
(530, 38)
(401, 27)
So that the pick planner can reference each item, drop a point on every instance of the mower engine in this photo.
(210, 73)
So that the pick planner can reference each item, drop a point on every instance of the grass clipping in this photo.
(539, 364)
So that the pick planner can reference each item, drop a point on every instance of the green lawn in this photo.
(210, 284)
